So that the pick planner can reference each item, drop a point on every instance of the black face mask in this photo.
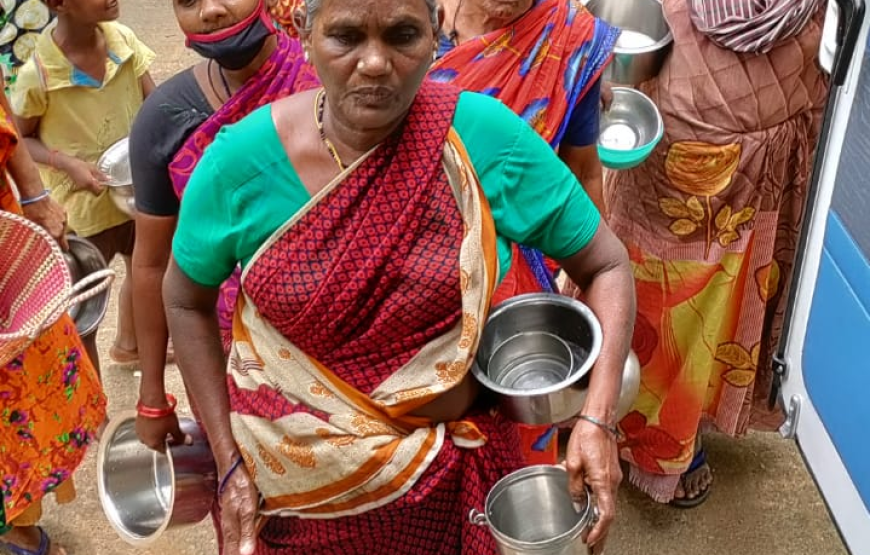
(235, 47)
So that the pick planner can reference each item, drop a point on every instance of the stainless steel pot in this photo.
(143, 492)
(83, 259)
(531, 512)
(548, 392)
(644, 43)
(630, 386)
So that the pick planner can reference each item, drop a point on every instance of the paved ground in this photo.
(763, 500)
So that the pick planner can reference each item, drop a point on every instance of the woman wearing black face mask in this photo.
(248, 63)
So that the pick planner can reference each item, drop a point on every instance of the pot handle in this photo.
(477, 518)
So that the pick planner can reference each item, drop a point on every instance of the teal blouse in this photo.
(244, 188)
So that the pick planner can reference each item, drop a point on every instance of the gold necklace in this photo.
(319, 103)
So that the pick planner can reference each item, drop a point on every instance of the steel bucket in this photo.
(644, 43)
(143, 492)
(531, 512)
(553, 388)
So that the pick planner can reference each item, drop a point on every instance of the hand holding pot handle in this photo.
(592, 459)
(239, 501)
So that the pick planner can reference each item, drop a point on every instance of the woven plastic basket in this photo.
(35, 284)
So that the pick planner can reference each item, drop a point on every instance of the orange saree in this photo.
(51, 398)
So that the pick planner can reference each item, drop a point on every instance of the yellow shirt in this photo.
(82, 117)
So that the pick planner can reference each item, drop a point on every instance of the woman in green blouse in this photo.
(372, 219)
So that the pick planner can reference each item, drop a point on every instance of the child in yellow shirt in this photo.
(76, 97)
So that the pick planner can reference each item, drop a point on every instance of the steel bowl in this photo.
(83, 259)
(529, 392)
(531, 360)
(115, 163)
(144, 493)
(644, 43)
(629, 130)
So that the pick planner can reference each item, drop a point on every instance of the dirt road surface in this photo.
(763, 501)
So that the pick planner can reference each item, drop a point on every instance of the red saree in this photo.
(364, 306)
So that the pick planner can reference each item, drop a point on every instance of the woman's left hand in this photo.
(593, 460)
(51, 216)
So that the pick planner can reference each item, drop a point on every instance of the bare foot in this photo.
(28, 538)
(694, 485)
(123, 356)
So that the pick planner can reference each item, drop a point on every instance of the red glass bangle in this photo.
(151, 412)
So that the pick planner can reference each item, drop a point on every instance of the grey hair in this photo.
(313, 6)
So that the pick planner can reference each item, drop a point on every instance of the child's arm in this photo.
(148, 85)
(85, 176)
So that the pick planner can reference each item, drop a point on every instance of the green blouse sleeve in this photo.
(535, 198)
(232, 205)
(203, 245)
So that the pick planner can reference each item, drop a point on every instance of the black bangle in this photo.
(604, 426)
(228, 475)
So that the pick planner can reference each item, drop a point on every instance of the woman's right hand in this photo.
(240, 503)
(51, 216)
(85, 176)
(153, 432)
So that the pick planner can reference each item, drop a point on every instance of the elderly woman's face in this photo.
(371, 56)
(207, 16)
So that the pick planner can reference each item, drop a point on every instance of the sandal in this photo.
(699, 462)
(43, 549)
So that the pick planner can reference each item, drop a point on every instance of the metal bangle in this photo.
(33, 200)
(223, 483)
(601, 424)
